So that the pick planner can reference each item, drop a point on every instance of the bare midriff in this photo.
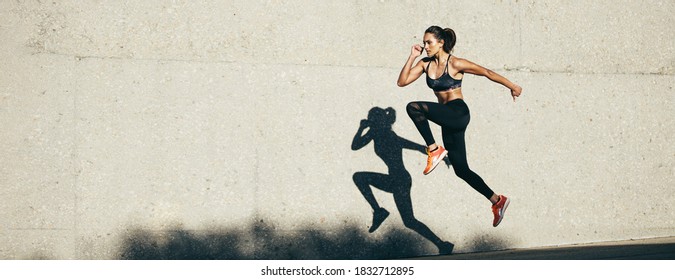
(449, 95)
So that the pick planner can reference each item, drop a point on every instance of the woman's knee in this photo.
(463, 172)
(413, 108)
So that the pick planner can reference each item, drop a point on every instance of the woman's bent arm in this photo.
(409, 73)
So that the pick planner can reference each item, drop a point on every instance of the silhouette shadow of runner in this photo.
(389, 147)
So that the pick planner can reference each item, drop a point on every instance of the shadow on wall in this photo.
(264, 242)
(388, 146)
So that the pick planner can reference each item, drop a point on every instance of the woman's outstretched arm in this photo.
(463, 65)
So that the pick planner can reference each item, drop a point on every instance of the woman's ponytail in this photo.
(446, 34)
(450, 40)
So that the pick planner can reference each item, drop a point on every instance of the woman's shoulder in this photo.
(459, 63)
(456, 60)
(425, 62)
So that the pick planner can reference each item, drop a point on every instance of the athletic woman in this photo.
(444, 76)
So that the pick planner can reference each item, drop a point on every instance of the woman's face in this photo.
(432, 45)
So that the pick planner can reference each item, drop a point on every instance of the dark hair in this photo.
(446, 34)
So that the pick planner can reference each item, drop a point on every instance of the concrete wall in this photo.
(223, 129)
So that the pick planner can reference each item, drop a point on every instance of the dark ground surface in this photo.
(642, 249)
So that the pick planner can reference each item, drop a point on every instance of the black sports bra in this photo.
(444, 82)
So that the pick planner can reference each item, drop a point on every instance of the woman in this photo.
(444, 76)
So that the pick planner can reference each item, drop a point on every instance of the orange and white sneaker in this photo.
(499, 208)
(434, 159)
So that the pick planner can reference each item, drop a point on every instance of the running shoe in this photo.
(499, 208)
(378, 217)
(434, 159)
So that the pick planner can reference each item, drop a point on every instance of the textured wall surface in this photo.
(223, 129)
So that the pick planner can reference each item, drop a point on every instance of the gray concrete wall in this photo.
(223, 129)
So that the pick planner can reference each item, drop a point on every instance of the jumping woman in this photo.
(444, 76)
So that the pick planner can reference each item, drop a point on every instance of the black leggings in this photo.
(453, 117)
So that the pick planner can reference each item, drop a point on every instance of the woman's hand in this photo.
(416, 51)
(516, 91)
